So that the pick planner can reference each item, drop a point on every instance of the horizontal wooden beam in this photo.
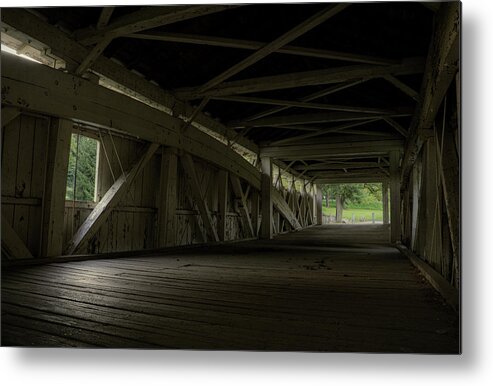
(305, 105)
(254, 45)
(29, 201)
(39, 88)
(320, 132)
(351, 180)
(336, 116)
(29, 27)
(337, 165)
(310, 97)
(308, 78)
(300, 151)
(350, 172)
(146, 18)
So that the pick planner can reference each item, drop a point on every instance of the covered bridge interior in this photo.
(214, 128)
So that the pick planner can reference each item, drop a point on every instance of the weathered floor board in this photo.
(328, 288)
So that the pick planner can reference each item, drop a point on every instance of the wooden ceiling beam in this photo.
(337, 165)
(147, 17)
(321, 132)
(65, 47)
(310, 97)
(104, 17)
(307, 78)
(322, 150)
(42, 89)
(337, 116)
(254, 45)
(351, 179)
(306, 105)
(273, 46)
(144, 19)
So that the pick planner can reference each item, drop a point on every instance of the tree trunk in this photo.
(339, 208)
(327, 200)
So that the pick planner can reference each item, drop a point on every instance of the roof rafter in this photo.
(144, 19)
(74, 53)
(267, 49)
(307, 78)
(337, 116)
(254, 45)
(319, 106)
(308, 98)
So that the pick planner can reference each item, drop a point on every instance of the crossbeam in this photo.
(307, 78)
(198, 195)
(267, 49)
(320, 151)
(336, 116)
(72, 52)
(144, 19)
(305, 105)
(254, 45)
(28, 84)
(109, 201)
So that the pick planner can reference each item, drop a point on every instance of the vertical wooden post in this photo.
(198, 195)
(255, 211)
(55, 186)
(318, 204)
(385, 202)
(451, 190)
(395, 197)
(167, 199)
(222, 203)
(266, 186)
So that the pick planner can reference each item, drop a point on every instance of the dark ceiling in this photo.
(388, 30)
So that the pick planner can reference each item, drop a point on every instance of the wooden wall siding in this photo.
(133, 223)
(426, 222)
(23, 176)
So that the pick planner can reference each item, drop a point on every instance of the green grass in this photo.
(358, 213)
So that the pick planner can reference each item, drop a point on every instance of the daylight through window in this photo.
(82, 168)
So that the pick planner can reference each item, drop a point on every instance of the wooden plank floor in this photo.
(329, 288)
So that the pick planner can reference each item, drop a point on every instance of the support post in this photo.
(198, 196)
(255, 211)
(395, 193)
(55, 187)
(318, 204)
(167, 201)
(244, 215)
(266, 186)
(385, 202)
(222, 204)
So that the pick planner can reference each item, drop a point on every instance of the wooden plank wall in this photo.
(132, 225)
(23, 176)
(426, 219)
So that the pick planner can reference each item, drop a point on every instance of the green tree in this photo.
(81, 171)
(345, 193)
